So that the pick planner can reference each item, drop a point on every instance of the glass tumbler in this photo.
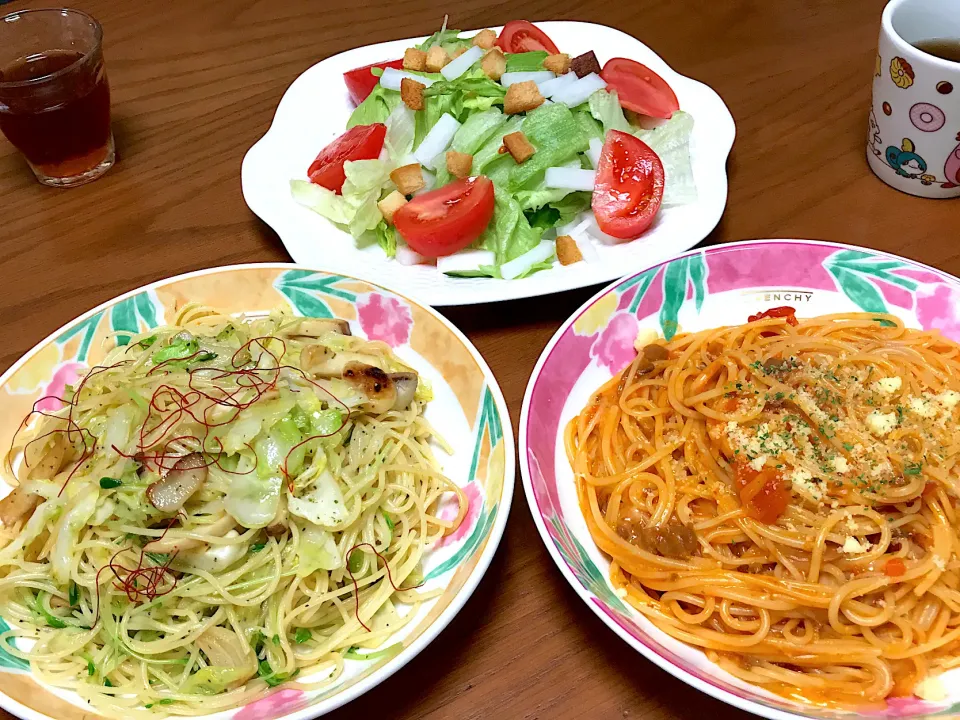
(54, 96)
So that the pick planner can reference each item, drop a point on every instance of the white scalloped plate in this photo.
(315, 109)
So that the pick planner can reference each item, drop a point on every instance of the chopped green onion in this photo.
(352, 654)
(389, 521)
(912, 469)
(302, 636)
(158, 558)
(108, 483)
(107, 683)
(355, 561)
(74, 595)
(273, 679)
(276, 639)
(257, 547)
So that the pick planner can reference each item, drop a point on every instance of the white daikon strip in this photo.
(518, 266)
(578, 226)
(391, 78)
(593, 152)
(569, 178)
(466, 260)
(437, 140)
(430, 180)
(538, 76)
(549, 87)
(584, 244)
(593, 229)
(458, 66)
(579, 92)
(408, 256)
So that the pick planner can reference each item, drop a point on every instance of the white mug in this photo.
(913, 143)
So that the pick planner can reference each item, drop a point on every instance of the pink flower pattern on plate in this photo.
(66, 374)
(449, 512)
(613, 348)
(276, 705)
(385, 318)
(935, 308)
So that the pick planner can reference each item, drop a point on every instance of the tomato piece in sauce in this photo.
(784, 311)
(764, 494)
(895, 567)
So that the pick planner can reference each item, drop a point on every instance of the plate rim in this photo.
(523, 429)
(501, 291)
(432, 631)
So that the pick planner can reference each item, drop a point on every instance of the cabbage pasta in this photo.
(222, 505)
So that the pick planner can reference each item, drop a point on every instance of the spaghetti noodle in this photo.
(222, 505)
(783, 495)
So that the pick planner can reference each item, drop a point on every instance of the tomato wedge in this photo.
(639, 88)
(520, 36)
(361, 81)
(446, 220)
(629, 186)
(363, 142)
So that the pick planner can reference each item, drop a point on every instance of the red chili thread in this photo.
(356, 587)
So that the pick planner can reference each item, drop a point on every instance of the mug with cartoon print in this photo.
(913, 140)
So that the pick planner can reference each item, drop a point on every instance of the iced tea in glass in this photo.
(54, 96)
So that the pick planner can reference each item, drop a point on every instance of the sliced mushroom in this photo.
(224, 648)
(321, 361)
(406, 385)
(316, 327)
(172, 492)
(43, 458)
(278, 526)
(374, 383)
(172, 544)
(18, 505)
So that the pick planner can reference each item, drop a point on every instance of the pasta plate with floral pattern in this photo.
(467, 404)
(703, 289)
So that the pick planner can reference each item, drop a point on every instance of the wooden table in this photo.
(195, 83)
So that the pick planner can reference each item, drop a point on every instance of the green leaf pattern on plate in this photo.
(855, 274)
(489, 425)
(302, 287)
(583, 567)
(643, 281)
(690, 270)
(9, 661)
(134, 315)
(87, 331)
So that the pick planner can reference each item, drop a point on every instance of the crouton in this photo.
(459, 164)
(494, 64)
(408, 178)
(559, 63)
(437, 57)
(585, 64)
(567, 251)
(457, 53)
(411, 92)
(485, 39)
(390, 204)
(522, 97)
(518, 146)
(414, 59)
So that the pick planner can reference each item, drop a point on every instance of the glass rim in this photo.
(97, 44)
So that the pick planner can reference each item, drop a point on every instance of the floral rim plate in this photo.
(695, 291)
(468, 405)
(315, 108)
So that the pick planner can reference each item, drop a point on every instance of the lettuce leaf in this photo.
(671, 141)
(509, 234)
(376, 108)
(477, 130)
(386, 238)
(489, 152)
(605, 108)
(556, 135)
(526, 62)
(448, 39)
(401, 128)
